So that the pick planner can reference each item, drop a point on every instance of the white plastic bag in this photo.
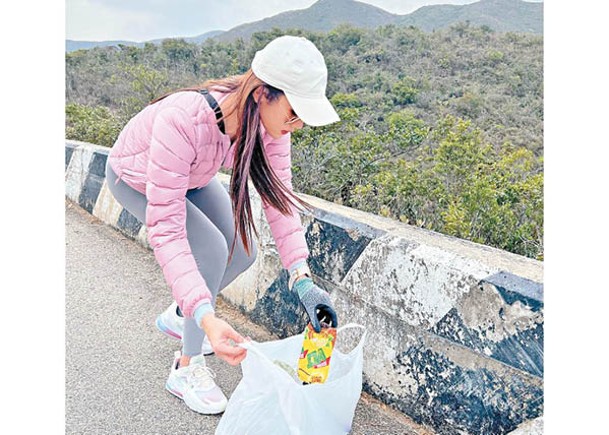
(268, 400)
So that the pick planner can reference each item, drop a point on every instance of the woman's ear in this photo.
(258, 93)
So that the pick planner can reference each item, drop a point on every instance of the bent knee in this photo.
(243, 260)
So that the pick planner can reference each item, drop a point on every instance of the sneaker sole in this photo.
(207, 411)
(207, 352)
(172, 391)
(165, 330)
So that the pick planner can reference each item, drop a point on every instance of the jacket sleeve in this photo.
(287, 231)
(172, 150)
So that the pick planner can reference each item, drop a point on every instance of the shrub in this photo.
(92, 124)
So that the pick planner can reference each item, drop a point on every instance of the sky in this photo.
(143, 20)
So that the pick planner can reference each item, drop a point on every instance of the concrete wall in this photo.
(455, 328)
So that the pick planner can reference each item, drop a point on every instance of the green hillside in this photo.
(441, 130)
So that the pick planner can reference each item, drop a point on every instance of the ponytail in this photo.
(251, 162)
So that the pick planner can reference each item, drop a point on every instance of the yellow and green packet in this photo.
(314, 361)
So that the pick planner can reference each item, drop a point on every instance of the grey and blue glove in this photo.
(316, 303)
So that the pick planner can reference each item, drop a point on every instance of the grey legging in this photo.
(210, 232)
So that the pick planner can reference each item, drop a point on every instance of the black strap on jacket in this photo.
(215, 107)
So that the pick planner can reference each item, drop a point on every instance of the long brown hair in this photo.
(250, 159)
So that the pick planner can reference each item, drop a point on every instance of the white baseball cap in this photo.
(294, 65)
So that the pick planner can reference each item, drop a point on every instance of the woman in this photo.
(162, 168)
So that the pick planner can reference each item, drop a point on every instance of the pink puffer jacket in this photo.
(176, 145)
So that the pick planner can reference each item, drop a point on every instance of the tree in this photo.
(404, 91)
(146, 84)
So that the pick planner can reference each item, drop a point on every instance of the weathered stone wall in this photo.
(455, 328)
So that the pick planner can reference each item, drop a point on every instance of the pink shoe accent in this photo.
(161, 327)
(174, 392)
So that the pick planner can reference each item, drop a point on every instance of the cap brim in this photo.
(313, 111)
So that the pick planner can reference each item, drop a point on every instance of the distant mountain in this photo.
(324, 15)
(72, 45)
(194, 39)
(499, 15)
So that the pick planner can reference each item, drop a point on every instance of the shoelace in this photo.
(203, 376)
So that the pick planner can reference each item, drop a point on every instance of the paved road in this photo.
(116, 360)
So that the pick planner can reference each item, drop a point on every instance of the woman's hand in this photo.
(223, 339)
(316, 303)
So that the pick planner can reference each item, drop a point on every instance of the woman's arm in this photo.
(172, 150)
(291, 244)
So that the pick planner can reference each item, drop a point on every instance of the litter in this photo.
(270, 399)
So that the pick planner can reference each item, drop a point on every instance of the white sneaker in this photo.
(169, 323)
(172, 325)
(195, 385)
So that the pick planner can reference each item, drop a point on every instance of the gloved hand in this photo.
(316, 303)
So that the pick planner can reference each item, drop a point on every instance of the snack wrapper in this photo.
(314, 361)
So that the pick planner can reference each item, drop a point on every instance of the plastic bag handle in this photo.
(350, 325)
(361, 340)
(248, 344)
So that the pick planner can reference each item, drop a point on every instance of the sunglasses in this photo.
(292, 120)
